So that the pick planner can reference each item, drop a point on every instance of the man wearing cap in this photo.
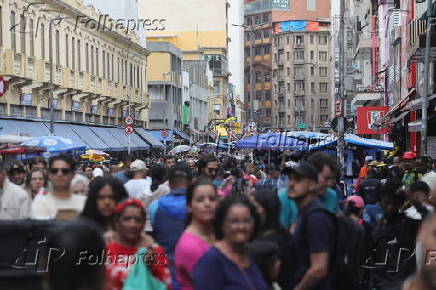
(17, 174)
(14, 201)
(314, 232)
(410, 173)
(139, 186)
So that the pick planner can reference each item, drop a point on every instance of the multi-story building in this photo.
(95, 70)
(165, 85)
(301, 79)
(262, 17)
(201, 33)
(197, 92)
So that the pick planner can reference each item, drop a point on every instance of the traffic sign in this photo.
(164, 133)
(129, 130)
(3, 86)
(338, 108)
(129, 120)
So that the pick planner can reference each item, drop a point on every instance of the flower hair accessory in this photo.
(131, 201)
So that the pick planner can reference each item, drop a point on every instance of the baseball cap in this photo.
(357, 200)
(305, 169)
(138, 165)
(409, 155)
(369, 158)
(97, 172)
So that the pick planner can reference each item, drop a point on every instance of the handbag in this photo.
(140, 276)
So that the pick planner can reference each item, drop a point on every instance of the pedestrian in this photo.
(80, 184)
(104, 194)
(17, 174)
(207, 168)
(228, 264)
(370, 188)
(411, 175)
(314, 234)
(420, 205)
(270, 182)
(36, 183)
(430, 179)
(266, 257)
(38, 163)
(60, 203)
(88, 171)
(125, 175)
(139, 186)
(160, 185)
(267, 206)
(169, 161)
(14, 201)
(130, 220)
(198, 237)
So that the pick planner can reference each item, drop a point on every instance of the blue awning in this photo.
(181, 134)
(136, 143)
(113, 143)
(171, 133)
(91, 138)
(65, 131)
(154, 142)
(30, 128)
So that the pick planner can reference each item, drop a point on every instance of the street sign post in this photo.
(129, 130)
(129, 120)
(3, 86)
(164, 134)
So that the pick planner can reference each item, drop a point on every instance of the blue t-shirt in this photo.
(330, 200)
(288, 209)
(214, 271)
(317, 235)
(121, 176)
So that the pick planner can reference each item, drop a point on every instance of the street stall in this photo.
(55, 145)
(271, 141)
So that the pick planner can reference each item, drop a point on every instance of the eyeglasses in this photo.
(64, 171)
(234, 222)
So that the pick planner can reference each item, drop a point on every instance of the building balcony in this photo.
(416, 52)
(299, 77)
(298, 45)
(299, 92)
(299, 61)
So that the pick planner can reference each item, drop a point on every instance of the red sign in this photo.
(338, 107)
(164, 134)
(3, 86)
(369, 117)
(129, 120)
(129, 130)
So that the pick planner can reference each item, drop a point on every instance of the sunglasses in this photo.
(64, 171)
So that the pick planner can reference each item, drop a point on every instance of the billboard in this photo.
(280, 4)
(369, 117)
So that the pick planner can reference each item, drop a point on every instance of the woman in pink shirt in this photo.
(201, 199)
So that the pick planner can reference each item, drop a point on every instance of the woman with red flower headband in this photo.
(130, 219)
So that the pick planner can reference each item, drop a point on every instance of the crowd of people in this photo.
(232, 222)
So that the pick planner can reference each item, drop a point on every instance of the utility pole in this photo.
(50, 56)
(426, 79)
(341, 129)
(128, 113)
(252, 93)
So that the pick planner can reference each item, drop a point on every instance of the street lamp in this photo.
(251, 29)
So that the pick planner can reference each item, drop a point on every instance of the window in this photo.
(322, 71)
(311, 5)
(217, 87)
(247, 52)
(73, 53)
(289, 119)
(300, 118)
(289, 103)
(92, 60)
(104, 63)
(57, 47)
(108, 70)
(299, 39)
(268, 112)
(267, 50)
(267, 95)
(300, 103)
(287, 39)
(288, 55)
(311, 39)
(323, 87)
(288, 71)
(86, 58)
(323, 55)
(248, 20)
(42, 36)
(23, 33)
(258, 34)
(13, 35)
(311, 54)
(323, 119)
(16, 111)
(323, 103)
(288, 87)
(31, 39)
(258, 95)
(312, 71)
(298, 55)
(267, 77)
(258, 51)
(312, 87)
(299, 86)
(97, 70)
(265, 18)
(257, 20)
(258, 77)
(266, 33)
(248, 35)
(298, 71)
(323, 40)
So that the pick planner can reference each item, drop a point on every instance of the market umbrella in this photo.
(13, 138)
(270, 141)
(180, 149)
(54, 144)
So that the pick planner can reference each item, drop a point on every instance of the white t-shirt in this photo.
(47, 206)
(138, 188)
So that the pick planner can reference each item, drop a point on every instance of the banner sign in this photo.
(369, 117)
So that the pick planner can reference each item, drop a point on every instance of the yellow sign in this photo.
(235, 127)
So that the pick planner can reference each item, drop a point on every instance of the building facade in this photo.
(96, 71)
(165, 85)
(201, 33)
(301, 80)
(263, 18)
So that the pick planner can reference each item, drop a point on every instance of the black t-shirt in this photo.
(317, 235)
(369, 190)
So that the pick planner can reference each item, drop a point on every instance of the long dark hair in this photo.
(158, 176)
(270, 203)
(90, 210)
(190, 195)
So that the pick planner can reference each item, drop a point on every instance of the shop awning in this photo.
(154, 142)
(113, 143)
(182, 135)
(355, 140)
(93, 141)
(65, 131)
(158, 135)
(29, 128)
(136, 143)
(361, 99)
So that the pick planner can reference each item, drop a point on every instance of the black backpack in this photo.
(349, 250)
